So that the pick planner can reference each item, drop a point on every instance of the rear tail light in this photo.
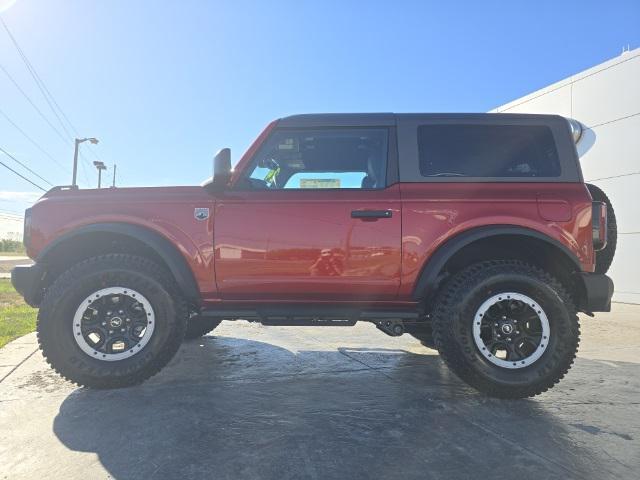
(599, 225)
(26, 235)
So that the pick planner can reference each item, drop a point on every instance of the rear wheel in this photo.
(507, 328)
(111, 321)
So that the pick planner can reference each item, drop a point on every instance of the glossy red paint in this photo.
(304, 246)
(168, 211)
(296, 244)
(433, 213)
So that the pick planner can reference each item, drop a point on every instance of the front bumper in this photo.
(598, 292)
(27, 280)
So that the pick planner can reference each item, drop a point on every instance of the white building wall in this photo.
(606, 100)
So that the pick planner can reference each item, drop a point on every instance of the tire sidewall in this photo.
(56, 328)
(543, 295)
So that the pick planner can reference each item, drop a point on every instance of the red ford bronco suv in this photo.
(473, 232)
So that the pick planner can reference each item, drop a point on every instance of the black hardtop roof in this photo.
(390, 119)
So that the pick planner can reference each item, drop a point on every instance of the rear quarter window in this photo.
(487, 151)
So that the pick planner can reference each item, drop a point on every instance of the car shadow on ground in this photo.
(235, 408)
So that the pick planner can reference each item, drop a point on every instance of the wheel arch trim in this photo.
(433, 265)
(162, 246)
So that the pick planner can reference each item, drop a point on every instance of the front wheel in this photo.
(111, 321)
(507, 328)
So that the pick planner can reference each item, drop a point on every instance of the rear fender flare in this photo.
(428, 279)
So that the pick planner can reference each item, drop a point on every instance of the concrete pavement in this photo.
(4, 258)
(324, 402)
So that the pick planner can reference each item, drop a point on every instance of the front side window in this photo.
(488, 151)
(329, 158)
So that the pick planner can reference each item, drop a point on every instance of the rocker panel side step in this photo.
(313, 316)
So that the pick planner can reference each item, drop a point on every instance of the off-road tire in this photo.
(197, 326)
(604, 257)
(453, 317)
(64, 296)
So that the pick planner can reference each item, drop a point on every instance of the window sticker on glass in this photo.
(319, 183)
(288, 144)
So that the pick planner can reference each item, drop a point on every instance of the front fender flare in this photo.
(163, 247)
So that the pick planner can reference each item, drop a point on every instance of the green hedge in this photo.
(11, 246)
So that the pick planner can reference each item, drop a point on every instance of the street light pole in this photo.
(114, 175)
(75, 157)
(75, 163)
(100, 166)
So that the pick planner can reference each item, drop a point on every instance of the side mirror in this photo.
(222, 168)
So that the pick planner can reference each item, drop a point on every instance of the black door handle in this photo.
(371, 214)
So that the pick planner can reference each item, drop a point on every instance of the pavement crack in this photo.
(15, 368)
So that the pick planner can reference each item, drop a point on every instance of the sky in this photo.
(164, 84)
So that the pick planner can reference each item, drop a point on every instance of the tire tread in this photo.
(453, 294)
(67, 280)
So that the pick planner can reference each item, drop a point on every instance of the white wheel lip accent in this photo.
(113, 357)
(544, 321)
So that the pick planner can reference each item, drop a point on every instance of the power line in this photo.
(21, 176)
(64, 115)
(24, 94)
(84, 169)
(49, 98)
(24, 166)
(32, 140)
(35, 76)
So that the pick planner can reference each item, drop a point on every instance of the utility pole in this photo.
(114, 175)
(99, 166)
(75, 157)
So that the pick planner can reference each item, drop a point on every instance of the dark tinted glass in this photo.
(487, 151)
